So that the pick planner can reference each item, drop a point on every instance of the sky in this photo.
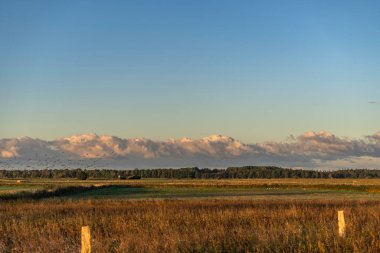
(258, 71)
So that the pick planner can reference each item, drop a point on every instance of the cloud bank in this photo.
(311, 150)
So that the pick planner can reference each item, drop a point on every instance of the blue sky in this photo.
(254, 70)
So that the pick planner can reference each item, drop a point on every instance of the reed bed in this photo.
(54, 225)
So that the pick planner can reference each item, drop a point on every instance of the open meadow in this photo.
(165, 126)
(161, 215)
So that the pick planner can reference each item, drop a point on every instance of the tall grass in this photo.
(189, 226)
(47, 193)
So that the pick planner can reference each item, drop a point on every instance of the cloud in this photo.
(311, 149)
(94, 146)
(322, 146)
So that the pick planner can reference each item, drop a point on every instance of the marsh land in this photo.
(190, 215)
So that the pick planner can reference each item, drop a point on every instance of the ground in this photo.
(162, 215)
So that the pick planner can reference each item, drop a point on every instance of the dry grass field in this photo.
(189, 226)
(192, 216)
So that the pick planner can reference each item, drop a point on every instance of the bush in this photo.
(83, 175)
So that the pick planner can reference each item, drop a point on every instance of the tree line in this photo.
(194, 172)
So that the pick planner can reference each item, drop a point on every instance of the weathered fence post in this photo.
(341, 224)
(86, 240)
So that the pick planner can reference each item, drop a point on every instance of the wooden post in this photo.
(86, 240)
(341, 224)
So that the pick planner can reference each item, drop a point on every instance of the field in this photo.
(268, 215)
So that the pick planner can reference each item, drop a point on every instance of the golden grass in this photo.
(189, 226)
(286, 182)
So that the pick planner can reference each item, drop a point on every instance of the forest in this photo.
(245, 172)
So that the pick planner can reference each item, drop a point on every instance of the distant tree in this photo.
(195, 172)
(82, 175)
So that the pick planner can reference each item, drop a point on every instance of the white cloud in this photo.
(93, 146)
(312, 149)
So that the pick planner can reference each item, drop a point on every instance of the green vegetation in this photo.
(194, 173)
(221, 193)
(36, 193)
(192, 188)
